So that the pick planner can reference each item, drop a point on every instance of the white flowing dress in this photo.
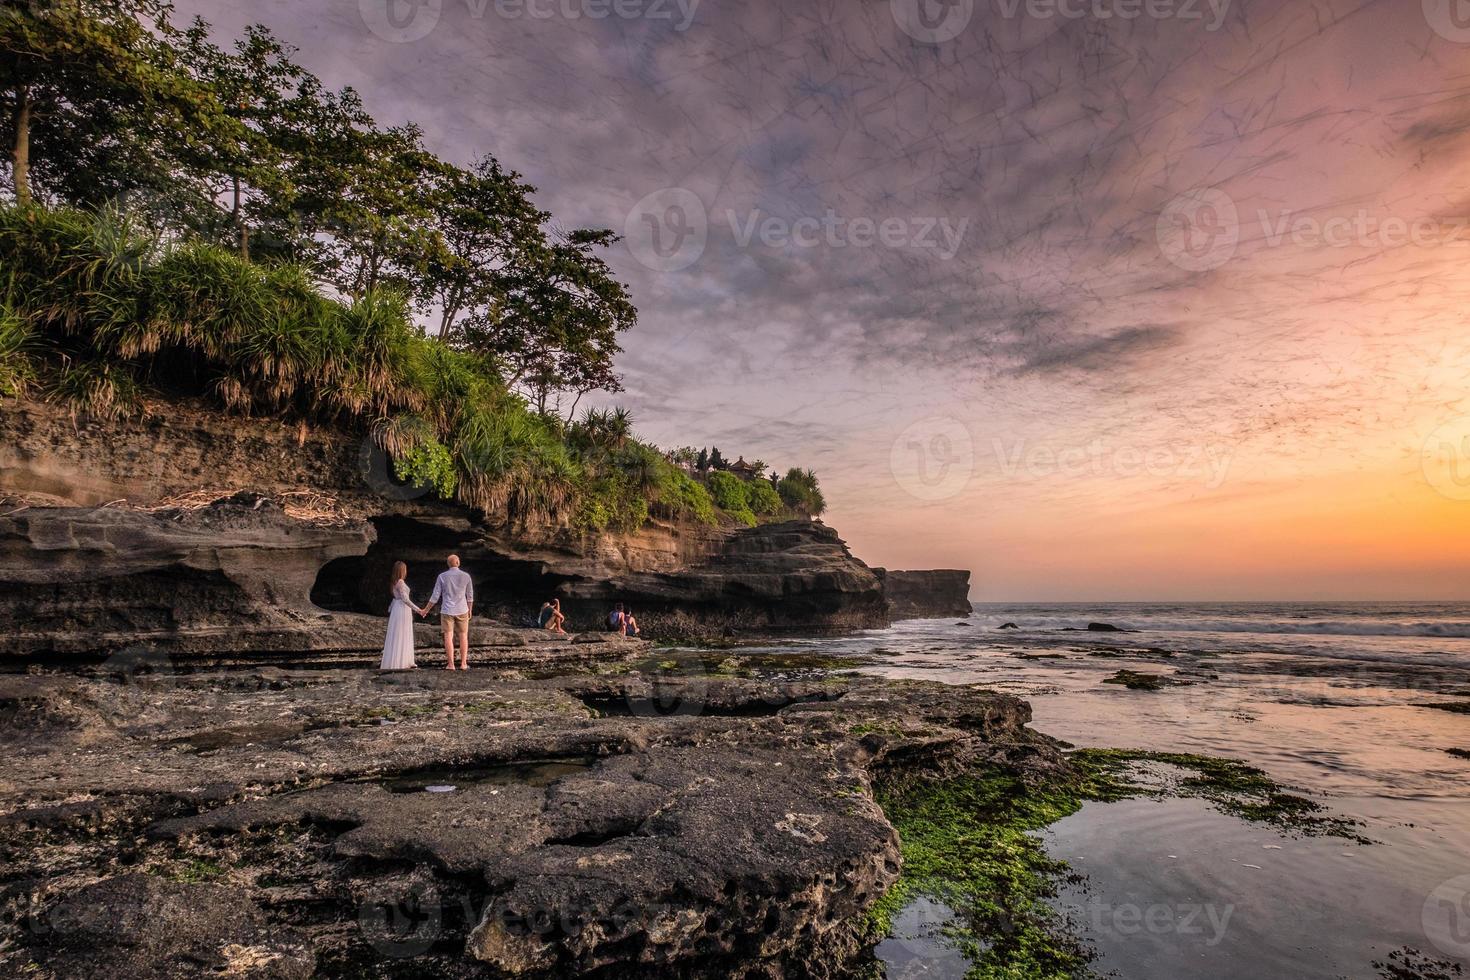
(398, 647)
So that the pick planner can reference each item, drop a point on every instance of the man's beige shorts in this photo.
(456, 626)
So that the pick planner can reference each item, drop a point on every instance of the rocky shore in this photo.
(197, 534)
(204, 777)
(615, 822)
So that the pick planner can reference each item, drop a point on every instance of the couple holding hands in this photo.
(454, 592)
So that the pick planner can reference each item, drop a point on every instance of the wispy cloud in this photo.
(1066, 157)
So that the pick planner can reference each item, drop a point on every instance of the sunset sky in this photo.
(1105, 299)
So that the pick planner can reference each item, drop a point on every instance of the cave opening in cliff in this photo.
(504, 586)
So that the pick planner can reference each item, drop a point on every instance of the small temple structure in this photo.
(744, 470)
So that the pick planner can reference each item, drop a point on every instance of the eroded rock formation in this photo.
(236, 575)
(930, 594)
(106, 544)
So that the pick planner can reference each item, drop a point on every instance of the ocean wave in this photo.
(1334, 627)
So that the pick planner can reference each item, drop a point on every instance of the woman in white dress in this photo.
(398, 647)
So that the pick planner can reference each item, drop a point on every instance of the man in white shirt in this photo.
(455, 592)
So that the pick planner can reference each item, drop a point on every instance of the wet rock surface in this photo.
(269, 822)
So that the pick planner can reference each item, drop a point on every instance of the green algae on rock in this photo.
(968, 842)
(1135, 681)
(1234, 787)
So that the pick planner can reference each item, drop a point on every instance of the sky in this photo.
(1100, 299)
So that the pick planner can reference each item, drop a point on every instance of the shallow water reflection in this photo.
(1342, 719)
(1174, 888)
(917, 946)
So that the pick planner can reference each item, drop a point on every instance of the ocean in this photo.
(1336, 700)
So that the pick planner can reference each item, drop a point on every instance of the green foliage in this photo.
(94, 305)
(213, 219)
(102, 104)
(100, 389)
(681, 495)
(800, 491)
(428, 464)
(728, 491)
(608, 503)
(111, 105)
(729, 494)
(17, 363)
(762, 498)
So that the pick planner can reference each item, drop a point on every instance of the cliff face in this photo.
(931, 594)
(294, 551)
(78, 580)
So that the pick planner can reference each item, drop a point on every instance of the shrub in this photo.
(684, 496)
(763, 498)
(729, 493)
(428, 464)
(101, 389)
(609, 503)
(204, 296)
(801, 493)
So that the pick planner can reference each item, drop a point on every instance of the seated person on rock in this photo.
(622, 621)
(551, 616)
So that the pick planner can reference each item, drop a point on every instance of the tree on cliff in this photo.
(98, 104)
(213, 220)
(486, 224)
(799, 491)
(255, 85)
(107, 102)
(553, 328)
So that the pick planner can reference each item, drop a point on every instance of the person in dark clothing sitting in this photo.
(622, 621)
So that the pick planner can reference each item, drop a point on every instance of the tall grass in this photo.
(94, 311)
(17, 354)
